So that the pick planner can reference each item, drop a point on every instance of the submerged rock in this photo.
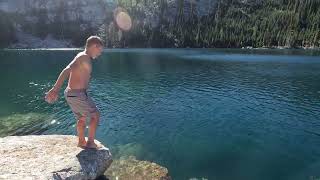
(18, 124)
(131, 149)
(50, 157)
(133, 169)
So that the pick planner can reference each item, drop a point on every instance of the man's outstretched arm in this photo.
(52, 94)
(62, 77)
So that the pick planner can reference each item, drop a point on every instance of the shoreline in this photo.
(57, 157)
(235, 48)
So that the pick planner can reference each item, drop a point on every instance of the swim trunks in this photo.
(80, 103)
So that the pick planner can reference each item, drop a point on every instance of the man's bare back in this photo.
(80, 72)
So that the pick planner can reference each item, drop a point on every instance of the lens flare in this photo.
(122, 19)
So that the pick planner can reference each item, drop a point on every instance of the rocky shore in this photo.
(58, 157)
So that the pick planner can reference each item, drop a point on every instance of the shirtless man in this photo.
(81, 104)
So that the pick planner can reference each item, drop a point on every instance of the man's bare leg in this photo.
(81, 125)
(92, 129)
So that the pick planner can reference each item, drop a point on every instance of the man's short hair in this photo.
(94, 40)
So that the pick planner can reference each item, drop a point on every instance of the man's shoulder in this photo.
(82, 56)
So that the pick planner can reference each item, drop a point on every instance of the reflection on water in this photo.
(217, 114)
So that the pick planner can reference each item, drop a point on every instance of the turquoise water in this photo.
(218, 114)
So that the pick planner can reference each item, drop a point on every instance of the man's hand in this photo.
(52, 96)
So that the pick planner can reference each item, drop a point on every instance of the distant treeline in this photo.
(235, 23)
(230, 23)
(7, 30)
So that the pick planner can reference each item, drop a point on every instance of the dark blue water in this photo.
(218, 114)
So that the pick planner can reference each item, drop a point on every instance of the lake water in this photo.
(220, 114)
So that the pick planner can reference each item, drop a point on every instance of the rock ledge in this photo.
(50, 157)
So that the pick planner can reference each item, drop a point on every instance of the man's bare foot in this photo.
(91, 145)
(82, 144)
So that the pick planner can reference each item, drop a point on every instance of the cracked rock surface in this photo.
(50, 157)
